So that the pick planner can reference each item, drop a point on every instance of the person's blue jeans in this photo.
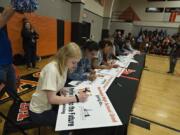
(8, 77)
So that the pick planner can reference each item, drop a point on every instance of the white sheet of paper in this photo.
(75, 83)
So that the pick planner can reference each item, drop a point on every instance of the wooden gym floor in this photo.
(158, 99)
(157, 102)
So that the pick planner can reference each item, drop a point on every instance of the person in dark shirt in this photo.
(105, 57)
(175, 53)
(118, 42)
(7, 72)
(29, 36)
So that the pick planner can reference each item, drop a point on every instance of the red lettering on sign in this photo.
(23, 111)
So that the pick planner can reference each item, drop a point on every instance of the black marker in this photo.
(86, 90)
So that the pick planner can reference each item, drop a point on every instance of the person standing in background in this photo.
(175, 53)
(29, 36)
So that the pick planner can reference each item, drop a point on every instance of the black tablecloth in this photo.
(122, 93)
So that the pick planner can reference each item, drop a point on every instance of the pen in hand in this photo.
(86, 90)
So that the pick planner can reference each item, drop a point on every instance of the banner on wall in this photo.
(96, 112)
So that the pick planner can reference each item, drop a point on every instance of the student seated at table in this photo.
(52, 80)
(104, 59)
(84, 70)
(127, 46)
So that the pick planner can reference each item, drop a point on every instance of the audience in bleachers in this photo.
(155, 42)
(148, 41)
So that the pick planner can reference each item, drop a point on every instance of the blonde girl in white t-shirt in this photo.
(52, 80)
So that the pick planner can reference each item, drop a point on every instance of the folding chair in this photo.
(18, 119)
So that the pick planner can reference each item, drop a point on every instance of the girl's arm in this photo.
(55, 99)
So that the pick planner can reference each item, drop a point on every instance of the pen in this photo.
(86, 90)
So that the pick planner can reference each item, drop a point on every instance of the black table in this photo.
(122, 94)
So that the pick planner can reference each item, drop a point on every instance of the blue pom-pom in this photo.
(25, 5)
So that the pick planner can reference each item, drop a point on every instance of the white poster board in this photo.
(96, 112)
(103, 81)
(112, 72)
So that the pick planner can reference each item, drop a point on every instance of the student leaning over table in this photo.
(104, 59)
(84, 69)
(52, 80)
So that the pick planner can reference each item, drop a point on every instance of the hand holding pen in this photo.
(92, 77)
(82, 95)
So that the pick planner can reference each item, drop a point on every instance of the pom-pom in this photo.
(25, 6)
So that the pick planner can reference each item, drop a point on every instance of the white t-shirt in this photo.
(50, 79)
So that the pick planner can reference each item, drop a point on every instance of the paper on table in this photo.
(103, 81)
(112, 72)
(75, 83)
(133, 61)
(96, 112)
(123, 64)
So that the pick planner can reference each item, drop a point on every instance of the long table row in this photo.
(122, 94)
